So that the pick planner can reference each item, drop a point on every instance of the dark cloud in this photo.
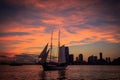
(71, 31)
(18, 11)
(102, 22)
(33, 48)
(86, 40)
(12, 10)
(19, 41)
(76, 16)
(2, 34)
(6, 47)
(110, 8)
(9, 11)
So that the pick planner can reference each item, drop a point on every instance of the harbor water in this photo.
(73, 72)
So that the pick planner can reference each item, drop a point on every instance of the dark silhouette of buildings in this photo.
(101, 61)
(101, 57)
(71, 59)
(116, 61)
(92, 59)
(80, 58)
(67, 54)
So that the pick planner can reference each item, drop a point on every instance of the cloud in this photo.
(81, 22)
(84, 41)
(14, 34)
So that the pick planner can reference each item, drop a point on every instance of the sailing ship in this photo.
(62, 62)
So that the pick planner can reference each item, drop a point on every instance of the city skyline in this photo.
(87, 27)
(28, 59)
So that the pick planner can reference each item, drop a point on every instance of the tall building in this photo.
(101, 61)
(92, 59)
(67, 54)
(101, 56)
(80, 58)
(71, 59)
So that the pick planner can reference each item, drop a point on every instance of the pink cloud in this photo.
(73, 17)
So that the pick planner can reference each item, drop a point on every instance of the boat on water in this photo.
(62, 58)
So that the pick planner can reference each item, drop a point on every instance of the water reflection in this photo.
(35, 72)
(42, 75)
(61, 74)
(52, 75)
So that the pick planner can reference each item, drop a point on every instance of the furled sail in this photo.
(44, 54)
(61, 55)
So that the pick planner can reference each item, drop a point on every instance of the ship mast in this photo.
(51, 45)
(58, 45)
(59, 39)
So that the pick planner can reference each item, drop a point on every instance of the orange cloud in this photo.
(40, 38)
(56, 22)
(80, 22)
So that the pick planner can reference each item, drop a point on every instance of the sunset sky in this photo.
(87, 26)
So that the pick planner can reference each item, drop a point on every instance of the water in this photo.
(83, 72)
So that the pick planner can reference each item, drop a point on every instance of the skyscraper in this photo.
(101, 56)
(80, 58)
(101, 61)
(67, 54)
(71, 59)
(92, 59)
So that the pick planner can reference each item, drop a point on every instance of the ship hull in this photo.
(48, 67)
